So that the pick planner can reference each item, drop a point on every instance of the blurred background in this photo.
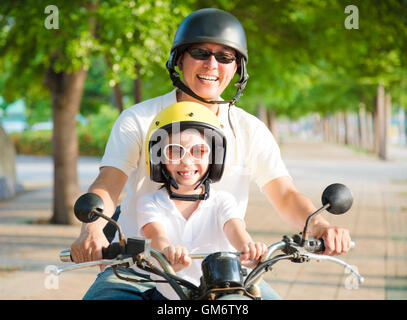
(330, 71)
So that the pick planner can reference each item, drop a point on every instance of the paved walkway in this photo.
(377, 221)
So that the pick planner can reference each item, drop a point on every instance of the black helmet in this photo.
(212, 26)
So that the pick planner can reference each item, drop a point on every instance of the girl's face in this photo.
(187, 158)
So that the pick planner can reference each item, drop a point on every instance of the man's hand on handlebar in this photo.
(337, 240)
(88, 247)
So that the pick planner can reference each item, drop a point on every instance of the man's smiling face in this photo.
(207, 78)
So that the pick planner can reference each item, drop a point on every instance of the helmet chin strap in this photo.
(170, 181)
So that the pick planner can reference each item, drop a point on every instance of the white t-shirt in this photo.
(201, 233)
(252, 154)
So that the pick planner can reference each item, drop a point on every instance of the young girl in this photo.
(181, 217)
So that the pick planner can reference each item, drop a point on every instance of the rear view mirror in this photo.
(339, 198)
(88, 207)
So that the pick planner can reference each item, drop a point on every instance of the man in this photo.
(209, 48)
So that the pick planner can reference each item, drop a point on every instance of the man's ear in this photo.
(180, 62)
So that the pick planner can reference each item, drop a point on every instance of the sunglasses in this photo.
(176, 152)
(202, 54)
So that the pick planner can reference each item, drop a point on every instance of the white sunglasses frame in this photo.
(186, 150)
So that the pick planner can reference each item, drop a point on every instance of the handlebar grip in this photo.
(65, 255)
(317, 245)
(320, 246)
(112, 251)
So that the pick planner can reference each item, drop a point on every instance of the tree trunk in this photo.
(137, 86)
(117, 92)
(8, 183)
(317, 129)
(384, 138)
(348, 128)
(369, 131)
(378, 119)
(118, 97)
(272, 120)
(262, 114)
(341, 128)
(66, 93)
(325, 128)
(352, 129)
(402, 139)
(362, 126)
(332, 128)
(405, 127)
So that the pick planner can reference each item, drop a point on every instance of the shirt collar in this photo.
(223, 115)
(164, 201)
(169, 99)
(223, 108)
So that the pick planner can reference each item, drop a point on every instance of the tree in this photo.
(54, 47)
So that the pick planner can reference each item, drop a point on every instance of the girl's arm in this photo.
(155, 231)
(239, 238)
(177, 256)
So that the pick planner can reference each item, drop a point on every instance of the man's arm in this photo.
(294, 208)
(108, 185)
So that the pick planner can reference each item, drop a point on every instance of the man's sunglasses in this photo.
(202, 54)
(176, 152)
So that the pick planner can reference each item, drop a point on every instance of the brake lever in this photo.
(106, 262)
(333, 259)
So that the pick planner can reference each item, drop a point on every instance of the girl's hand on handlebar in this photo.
(177, 256)
(252, 252)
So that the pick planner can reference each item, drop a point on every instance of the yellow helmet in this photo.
(176, 118)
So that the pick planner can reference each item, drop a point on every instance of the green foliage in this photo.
(301, 57)
(33, 142)
(109, 36)
(93, 136)
(38, 109)
(97, 90)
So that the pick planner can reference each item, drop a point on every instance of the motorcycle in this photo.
(223, 277)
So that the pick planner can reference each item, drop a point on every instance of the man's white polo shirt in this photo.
(252, 154)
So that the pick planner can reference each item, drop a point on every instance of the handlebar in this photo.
(112, 252)
(114, 249)
(112, 256)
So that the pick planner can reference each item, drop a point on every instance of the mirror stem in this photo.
(122, 239)
(305, 231)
